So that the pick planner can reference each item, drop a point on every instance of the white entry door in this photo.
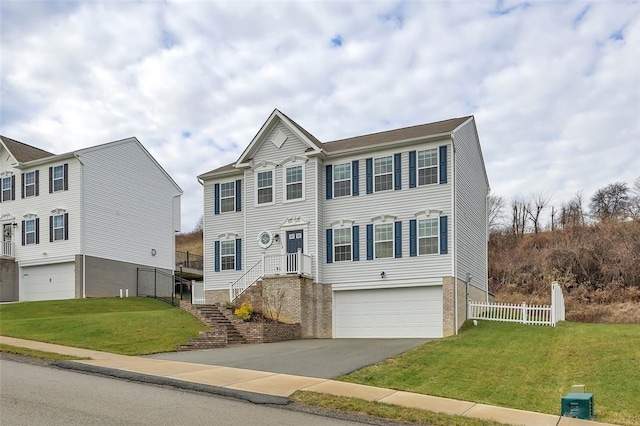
(388, 313)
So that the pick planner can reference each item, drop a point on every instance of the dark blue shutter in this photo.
(50, 181)
(216, 255)
(355, 177)
(22, 184)
(412, 169)
(216, 198)
(66, 226)
(50, 229)
(413, 237)
(398, 239)
(443, 235)
(443, 164)
(238, 254)
(329, 173)
(23, 233)
(13, 187)
(37, 182)
(369, 167)
(355, 242)
(37, 230)
(238, 195)
(329, 245)
(65, 172)
(397, 168)
(369, 242)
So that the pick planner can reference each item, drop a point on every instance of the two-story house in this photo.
(80, 224)
(381, 235)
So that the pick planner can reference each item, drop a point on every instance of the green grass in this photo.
(128, 326)
(386, 411)
(34, 353)
(523, 366)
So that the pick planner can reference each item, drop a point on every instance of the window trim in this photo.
(233, 188)
(436, 166)
(336, 180)
(34, 231)
(437, 235)
(289, 165)
(391, 172)
(258, 188)
(34, 184)
(231, 242)
(349, 229)
(10, 190)
(376, 241)
(54, 179)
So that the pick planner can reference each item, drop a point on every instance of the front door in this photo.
(294, 242)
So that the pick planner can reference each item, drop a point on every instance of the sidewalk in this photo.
(236, 381)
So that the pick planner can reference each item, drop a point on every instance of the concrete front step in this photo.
(212, 316)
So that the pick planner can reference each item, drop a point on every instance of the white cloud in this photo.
(555, 87)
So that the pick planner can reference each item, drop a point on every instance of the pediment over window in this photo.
(384, 218)
(428, 213)
(293, 221)
(342, 223)
(228, 236)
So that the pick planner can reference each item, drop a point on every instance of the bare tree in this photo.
(572, 213)
(519, 208)
(199, 224)
(495, 207)
(535, 206)
(610, 202)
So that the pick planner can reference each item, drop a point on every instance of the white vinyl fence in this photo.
(197, 293)
(525, 314)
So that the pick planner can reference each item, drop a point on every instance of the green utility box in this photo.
(578, 405)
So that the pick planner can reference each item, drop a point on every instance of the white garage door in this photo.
(48, 282)
(398, 312)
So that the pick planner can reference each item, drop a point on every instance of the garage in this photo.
(48, 282)
(388, 313)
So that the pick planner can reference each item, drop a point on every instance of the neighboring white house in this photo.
(80, 224)
(387, 232)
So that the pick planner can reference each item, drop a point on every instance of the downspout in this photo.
(453, 234)
(82, 227)
(318, 168)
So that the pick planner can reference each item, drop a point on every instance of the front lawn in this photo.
(128, 326)
(523, 366)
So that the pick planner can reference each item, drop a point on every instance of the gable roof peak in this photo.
(23, 152)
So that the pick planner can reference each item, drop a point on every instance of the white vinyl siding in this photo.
(471, 211)
(403, 205)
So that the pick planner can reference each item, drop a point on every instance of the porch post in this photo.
(298, 261)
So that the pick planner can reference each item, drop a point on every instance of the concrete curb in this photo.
(256, 398)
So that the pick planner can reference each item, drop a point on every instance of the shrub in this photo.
(245, 311)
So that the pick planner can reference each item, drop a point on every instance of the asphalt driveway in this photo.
(323, 358)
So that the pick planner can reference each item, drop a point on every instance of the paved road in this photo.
(36, 395)
(323, 358)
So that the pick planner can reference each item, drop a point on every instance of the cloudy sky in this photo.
(554, 86)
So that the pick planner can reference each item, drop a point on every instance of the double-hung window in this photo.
(428, 166)
(30, 184)
(227, 197)
(428, 236)
(58, 178)
(30, 231)
(265, 187)
(342, 244)
(293, 176)
(383, 173)
(342, 180)
(58, 230)
(228, 255)
(383, 242)
(7, 188)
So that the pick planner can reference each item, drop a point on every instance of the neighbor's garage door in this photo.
(48, 282)
(398, 312)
